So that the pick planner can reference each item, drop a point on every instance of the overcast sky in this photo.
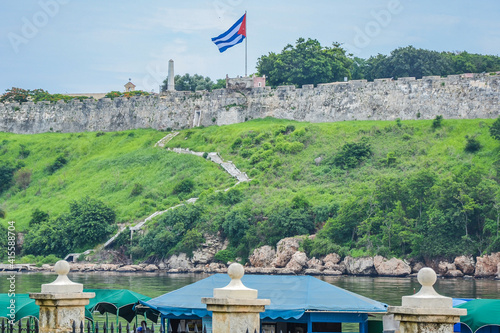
(85, 46)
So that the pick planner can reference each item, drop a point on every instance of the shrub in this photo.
(391, 159)
(6, 176)
(57, 164)
(352, 154)
(23, 151)
(136, 190)
(50, 259)
(22, 178)
(495, 129)
(225, 256)
(437, 122)
(472, 145)
(185, 186)
(205, 155)
(236, 143)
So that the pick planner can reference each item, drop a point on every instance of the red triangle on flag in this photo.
(243, 27)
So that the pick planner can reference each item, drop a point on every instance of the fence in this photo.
(31, 326)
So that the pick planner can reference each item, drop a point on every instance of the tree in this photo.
(193, 83)
(305, 63)
(495, 129)
(90, 221)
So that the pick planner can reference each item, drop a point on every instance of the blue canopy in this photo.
(291, 297)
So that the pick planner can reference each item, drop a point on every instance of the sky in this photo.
(91, 46)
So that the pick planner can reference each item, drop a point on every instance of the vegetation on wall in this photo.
(20, 95)
(310, 63)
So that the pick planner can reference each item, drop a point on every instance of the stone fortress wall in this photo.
(464, 96)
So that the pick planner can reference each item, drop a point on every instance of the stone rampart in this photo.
(456, 96)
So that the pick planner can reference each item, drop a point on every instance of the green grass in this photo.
(126, 172)
(105, 167)
(415, 145)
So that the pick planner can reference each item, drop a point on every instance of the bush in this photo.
(57, 164)
(50, 259)
(437, 122)
(6, 176)
(136, 190)
(38, 216)
(23, 151)
(22, 178)
(495, 129)
(185, 186)
(352, 154)
(472, 145)
(225, 256)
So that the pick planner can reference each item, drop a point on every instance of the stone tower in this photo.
(171, 83)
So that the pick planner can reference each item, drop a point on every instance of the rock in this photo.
(262, 256)
(206, 253)
(162, 266)
(300, 258)
(454, 273)
(332, 258)
(315, 264)
(215, 267)
(312, 271)
(359, 266)
(444, 267)
(126, 268)
(336, 267)
(466, 264)
(150, 268)
(416, 267)
(138, 268)
(331, 272)
(47, 267)
(487, 265)
(392, 267)
(498, 271)
(285, 250)
(179, 262)
(297, 262)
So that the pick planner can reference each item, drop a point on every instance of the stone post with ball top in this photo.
(61, 302)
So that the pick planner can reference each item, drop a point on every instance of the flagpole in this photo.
(245, 45)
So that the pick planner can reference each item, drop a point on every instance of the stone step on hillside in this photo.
(163, 141)
(235, 172)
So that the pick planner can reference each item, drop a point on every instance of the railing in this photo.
(31, 326)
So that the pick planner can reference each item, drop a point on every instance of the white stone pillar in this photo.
(170, 80)
(235, 308)
(61, 302)
(426, 311)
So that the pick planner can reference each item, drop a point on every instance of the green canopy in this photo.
(105, 300)
(117, 301)
(480, 313)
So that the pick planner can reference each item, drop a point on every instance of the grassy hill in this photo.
(123, 169)
(404, 188)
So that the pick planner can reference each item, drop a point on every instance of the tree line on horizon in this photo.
(308, 62)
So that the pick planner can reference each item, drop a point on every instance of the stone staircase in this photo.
(228, 166)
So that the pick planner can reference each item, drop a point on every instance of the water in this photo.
(386, 290)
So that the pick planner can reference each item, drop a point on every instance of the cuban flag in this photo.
(233, 36)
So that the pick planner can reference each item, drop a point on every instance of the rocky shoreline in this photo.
(286, 259)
